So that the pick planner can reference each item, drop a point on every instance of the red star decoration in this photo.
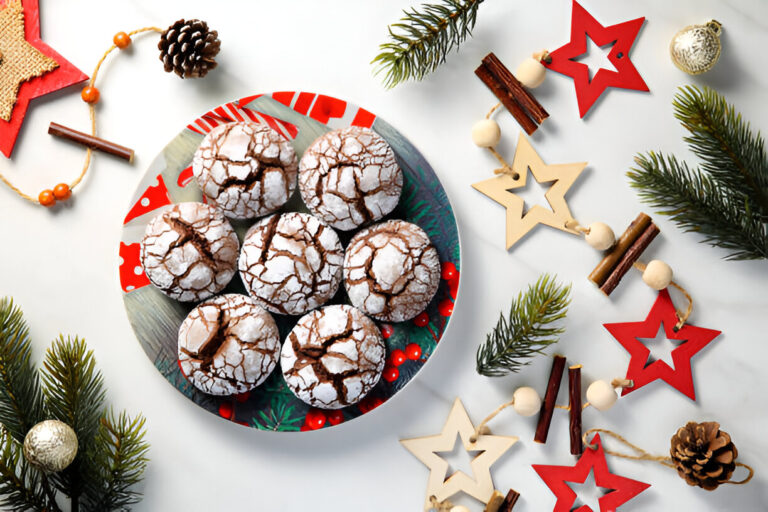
(64, 75)
(622, 489)
(693, 340)
(622, 35)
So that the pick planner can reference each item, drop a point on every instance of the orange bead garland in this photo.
(62, 192)
(46, 198)
(122, 40)
(90, 94)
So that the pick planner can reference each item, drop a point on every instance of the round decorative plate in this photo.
(300, 117)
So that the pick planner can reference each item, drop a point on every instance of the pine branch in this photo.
(20, 484)
(118, 460)
(526, 331)
(422, 39)
(21, 400)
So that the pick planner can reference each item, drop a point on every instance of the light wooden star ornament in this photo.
(520, 222)
(441, 486)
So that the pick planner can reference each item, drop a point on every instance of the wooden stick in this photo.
(520, 93)
(629, 258)
(608, 263)
(506, 99)
(553, 387)
(91, 141)
(574, 404)
(510, 501)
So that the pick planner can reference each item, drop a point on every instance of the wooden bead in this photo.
(657, 275)
(46, 198)
(600, 236)
(122, 40)
(62, 192)
(531, 73)
(601, 395)
(486, 133)
(90, 94)
(527, 401)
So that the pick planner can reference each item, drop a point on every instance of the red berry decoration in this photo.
(413, 351)
(243, 397)
(421, 320)
(90, 94)
(46, 198)
(397, 357)
(315, 419)
(335, 417)
(446, 307)
(390, 374)
(62, 192)
(122, 40)
(449, 271)
(453, 288)
(375, 402)
(304, 428)
(387, 331)
(226, 410)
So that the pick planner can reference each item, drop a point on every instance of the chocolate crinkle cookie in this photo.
(333, 357)
(189, 252)
(350, 177)
(391, 271)
(247, 169)
(228, 345)
(291, 263)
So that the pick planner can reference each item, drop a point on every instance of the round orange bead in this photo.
(90, 94)
(47, 198)
(62, 192)
(122, 40)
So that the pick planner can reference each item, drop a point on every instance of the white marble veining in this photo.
(61, 267)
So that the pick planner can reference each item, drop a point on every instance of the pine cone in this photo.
(189, 49)
(703, 454)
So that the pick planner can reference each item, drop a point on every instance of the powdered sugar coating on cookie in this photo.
(189, 251)
(247, 169)
(350, 177)
(228, 345)
(391, 271)
(333, 357)
(291, 263)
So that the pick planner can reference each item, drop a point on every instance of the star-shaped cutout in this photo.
(622, 489)
(622, 35)
(479, 485)
(692, 338)
(63, 76)
(500, 188)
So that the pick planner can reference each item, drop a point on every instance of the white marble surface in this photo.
(61, 266)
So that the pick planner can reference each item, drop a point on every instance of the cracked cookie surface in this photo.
(189, 251)
(333, 357)
(247, 169)
(391, 271)
(350, 177)
(291, 263)
(228, 345)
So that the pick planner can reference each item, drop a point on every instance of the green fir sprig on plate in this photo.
(527, 330)
(725, 199)
(423, 38)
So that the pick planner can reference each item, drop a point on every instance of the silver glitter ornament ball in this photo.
(50, 446)
(696, 48)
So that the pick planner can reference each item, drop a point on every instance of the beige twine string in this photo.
(482, 427)
(92, 116)
(644, 455)
(505, 167)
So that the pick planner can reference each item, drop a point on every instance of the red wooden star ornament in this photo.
(622, 35)
(621, 489)
(662, 315)
(64, 75)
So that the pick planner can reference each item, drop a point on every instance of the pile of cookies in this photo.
(291, 263)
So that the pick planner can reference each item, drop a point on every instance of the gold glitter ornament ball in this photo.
(50, 446)
(696, 48)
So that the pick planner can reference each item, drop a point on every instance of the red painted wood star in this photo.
(62, 76)
(622, 35)
(662, 315)
(621, 489)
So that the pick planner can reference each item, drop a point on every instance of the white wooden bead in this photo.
(601, 395)
(600, 236)
(527, 401)
(531, 73)
(657, 275)
(486, 133)
(459, 508)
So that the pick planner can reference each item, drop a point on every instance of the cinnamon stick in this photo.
(629, 258)
(91, 141)
(574, 406)
(520, 93)
(506, 98)
(510, 501)
(553, 387)
(611, 259)
(495, 503)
